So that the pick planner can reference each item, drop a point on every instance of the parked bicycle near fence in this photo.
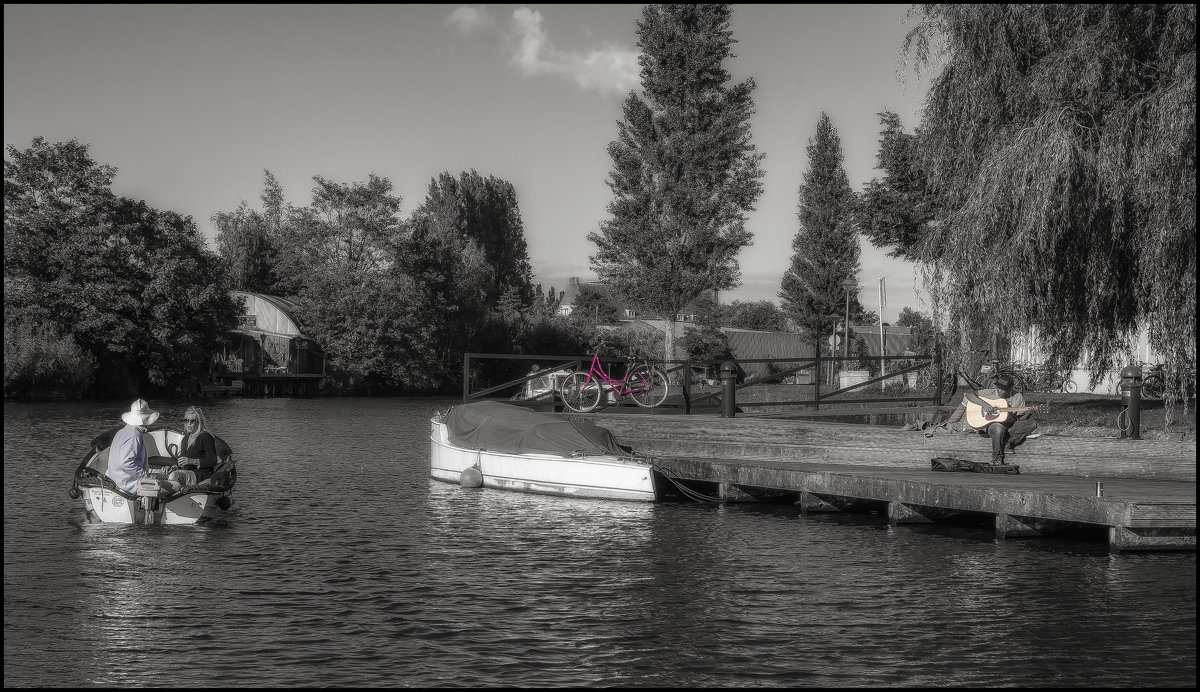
(1042, 377)
(1154, 380)
(581, 391)
(927, 378)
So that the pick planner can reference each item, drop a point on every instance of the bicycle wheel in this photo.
(1019, 382)
(1069, 386)
(580, 392)
(1152, 387)
(647, 386)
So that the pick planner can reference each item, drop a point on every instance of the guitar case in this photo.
(950, 464)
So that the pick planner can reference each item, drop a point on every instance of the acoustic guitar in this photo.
(979, 420)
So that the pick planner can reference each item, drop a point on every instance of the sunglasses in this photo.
(189, 420)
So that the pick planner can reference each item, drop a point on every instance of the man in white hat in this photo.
(127, 462)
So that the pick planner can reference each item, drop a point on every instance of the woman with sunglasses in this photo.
(197, 451)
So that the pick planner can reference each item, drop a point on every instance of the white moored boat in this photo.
(509, 447)
(153, 503)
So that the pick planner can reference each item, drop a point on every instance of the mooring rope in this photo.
(688, 492)
(1123, 421)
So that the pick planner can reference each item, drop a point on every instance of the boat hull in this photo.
(104, 504)
(598, 477)
(108, 507)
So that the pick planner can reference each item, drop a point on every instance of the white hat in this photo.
(140, 414)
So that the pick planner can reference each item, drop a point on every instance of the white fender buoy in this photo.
(471, 478)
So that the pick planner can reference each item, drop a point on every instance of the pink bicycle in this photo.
(644, 383)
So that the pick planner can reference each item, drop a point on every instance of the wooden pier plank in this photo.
(872, 445)
(1062, 498)
(1149, 486)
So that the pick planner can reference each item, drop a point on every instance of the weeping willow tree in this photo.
(1062, 141)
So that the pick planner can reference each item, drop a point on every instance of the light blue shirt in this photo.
(127, 462)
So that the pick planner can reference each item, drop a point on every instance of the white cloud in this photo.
(608, 70)
(470, 21)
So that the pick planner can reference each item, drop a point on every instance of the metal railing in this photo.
(692, 394)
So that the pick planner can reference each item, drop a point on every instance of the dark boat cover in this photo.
(497, 427)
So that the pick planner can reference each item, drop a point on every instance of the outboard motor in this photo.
(147, 493)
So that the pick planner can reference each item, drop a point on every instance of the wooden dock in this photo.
(1148, 501)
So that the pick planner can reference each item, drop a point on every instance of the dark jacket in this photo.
(202, 451)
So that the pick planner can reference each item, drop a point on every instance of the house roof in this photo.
(575, 287)
(896, 339)
(272, 314)
(750, 344)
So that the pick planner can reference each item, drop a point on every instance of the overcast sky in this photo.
(191, 103)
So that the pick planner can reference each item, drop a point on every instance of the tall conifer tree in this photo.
(684, 169)
(825, 249)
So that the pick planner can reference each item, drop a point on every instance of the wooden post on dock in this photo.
(901, 513)
(1008, 526)
(466, 376)
(812, 503)
(1148, 538)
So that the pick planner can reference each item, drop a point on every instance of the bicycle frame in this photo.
(618, 386)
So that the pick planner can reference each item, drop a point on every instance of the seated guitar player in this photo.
(989, 412)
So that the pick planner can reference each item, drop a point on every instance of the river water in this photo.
(344, 564)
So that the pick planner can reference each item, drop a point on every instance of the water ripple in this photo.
(343, 564)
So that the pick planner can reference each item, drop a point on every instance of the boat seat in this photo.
(100, 462)
(156, 444)
(156, 453)
(159, 462)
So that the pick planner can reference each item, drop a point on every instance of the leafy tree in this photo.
(469, 248)
(706, 342)
(546, 304)
(594, 307)
(555, 335)
(705, 310)
(179, 291)
(53, 193)
(247, 240)
(336, 262)
(894, 210)
(41, 363)
(274, 206)
(631, 338)
(685, 172)
(134, 287)
(923, 330)
(242, 244)
(485, 212)
(757, 314)
(1062, 141)
(545, 331)
(825, 249)
(451, 269)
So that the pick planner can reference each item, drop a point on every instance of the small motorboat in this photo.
(497, 445)
(155, 502)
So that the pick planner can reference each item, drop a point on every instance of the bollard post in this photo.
(1131, 400)
(728, 389)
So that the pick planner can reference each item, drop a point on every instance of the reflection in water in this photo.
(344, 564)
